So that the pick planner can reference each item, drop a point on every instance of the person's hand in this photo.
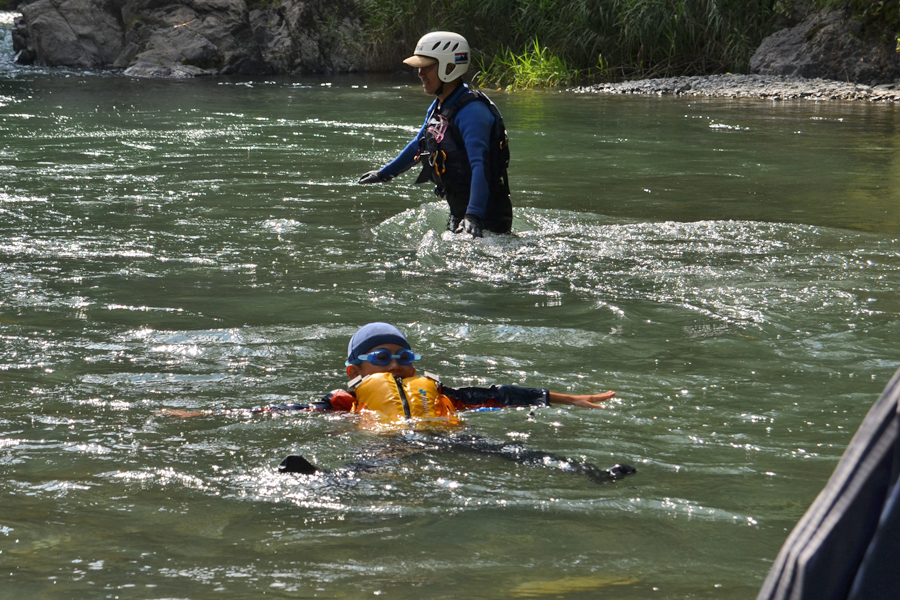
(374, 176)
(471, 225)
(593, 400)
(585, 401)
(180, 414)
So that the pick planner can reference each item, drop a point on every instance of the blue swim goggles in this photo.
(382, 358)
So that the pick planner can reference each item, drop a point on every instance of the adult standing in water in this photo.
(462, 146)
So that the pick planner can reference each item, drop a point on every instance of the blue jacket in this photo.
(474, 121)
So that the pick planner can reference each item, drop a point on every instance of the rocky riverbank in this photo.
(187, 38)
(763, 87)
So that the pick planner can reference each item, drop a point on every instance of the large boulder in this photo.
(185, 38)
(83, 34)
(294, 38)
(827, 45)
(190, 37)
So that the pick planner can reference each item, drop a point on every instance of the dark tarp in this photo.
(847, 545)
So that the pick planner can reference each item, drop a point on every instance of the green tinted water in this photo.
(729, 268)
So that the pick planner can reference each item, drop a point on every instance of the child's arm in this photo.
(187, 414)
(182, 414)
(510, 395)
(496, 396)
(338, 400)
(586, 401)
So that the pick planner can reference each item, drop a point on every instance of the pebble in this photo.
(765, 87)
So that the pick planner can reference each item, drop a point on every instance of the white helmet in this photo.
(445, 47)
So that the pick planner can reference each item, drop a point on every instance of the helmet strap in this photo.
(440, 90)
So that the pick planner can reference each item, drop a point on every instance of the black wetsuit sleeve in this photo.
(323, 404)
(336, 400)
(496, 396)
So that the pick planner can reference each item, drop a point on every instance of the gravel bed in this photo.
(765, 87)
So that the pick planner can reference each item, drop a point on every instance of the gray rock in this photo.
(192, 37)
(273, 35)
(22, 43)
(829, 45)
(294, 38)
(178, 52)
(186, 38)
(763, 87)
(82, 34)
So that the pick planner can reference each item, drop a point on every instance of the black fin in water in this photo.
(297, 464)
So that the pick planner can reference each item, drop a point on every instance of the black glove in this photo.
(373, 177)
(471, 225)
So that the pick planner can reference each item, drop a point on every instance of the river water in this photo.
(730, 268)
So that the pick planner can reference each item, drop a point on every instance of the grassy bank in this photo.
(522, 42)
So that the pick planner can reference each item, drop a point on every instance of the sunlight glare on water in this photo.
(730, 268)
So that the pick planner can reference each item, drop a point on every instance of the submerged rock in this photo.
(185, 38)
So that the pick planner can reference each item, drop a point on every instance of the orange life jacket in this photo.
(417, 402)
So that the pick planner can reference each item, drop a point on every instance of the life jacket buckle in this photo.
(438, 160)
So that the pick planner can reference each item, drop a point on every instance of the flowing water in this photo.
(730, 268)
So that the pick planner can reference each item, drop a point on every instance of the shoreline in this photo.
(762, 87)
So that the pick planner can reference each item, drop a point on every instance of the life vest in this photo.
(385, 400)
(445, 162)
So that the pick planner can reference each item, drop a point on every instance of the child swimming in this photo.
(389, 396)
(387, 393)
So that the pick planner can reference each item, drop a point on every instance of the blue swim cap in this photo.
(374, 334)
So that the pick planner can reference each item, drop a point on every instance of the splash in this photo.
(736, 272)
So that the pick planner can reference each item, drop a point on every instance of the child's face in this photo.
(394, 368)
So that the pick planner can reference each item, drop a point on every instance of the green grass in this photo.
(598, 39)
(536, 67)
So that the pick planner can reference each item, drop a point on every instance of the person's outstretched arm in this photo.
(334, 401)
(584, 401)
(404, 161)
(498, 396)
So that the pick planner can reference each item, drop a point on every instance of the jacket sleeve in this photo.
(406, 159)
(475, 121)
(496, 396)
(337, 400)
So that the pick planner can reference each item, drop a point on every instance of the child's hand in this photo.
(180, 414)
(585, 401)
